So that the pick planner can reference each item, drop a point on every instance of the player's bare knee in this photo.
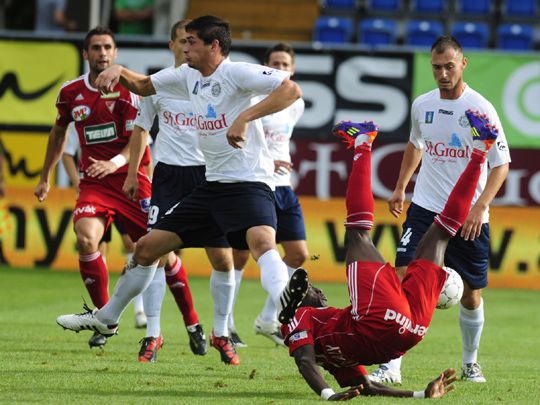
(296, 258)
(144, 254)
(471, 298)
(86, 243)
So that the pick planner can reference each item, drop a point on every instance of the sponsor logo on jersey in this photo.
(298, 336)
(210, 111)
(440, 149)
(406, 323)
(267, 72)
(205, 124)
(502, 146)
(100, 133)
(145, 204)
(216, 89)
(205, 85)
(85, 209)
(130, 124)
(179, 119)
(108, 96)
(429, 117)
(455, 141)
(445, 112)
(80, 113)
(79, 97)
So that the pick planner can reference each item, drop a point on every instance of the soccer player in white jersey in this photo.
(291, 231)
(439, 138)
(180, 167)
(236, 198)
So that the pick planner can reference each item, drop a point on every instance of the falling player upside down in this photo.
(385, 318)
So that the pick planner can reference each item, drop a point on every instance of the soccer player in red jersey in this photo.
(385, 318)
(104, 124)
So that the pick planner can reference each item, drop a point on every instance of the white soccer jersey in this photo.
(442, 130)
(217, 100)
(177, 142)
(278, 129)
(72, 147)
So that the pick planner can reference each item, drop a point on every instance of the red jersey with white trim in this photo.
(103, 121)
(385, 319)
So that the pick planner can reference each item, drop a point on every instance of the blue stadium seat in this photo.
(377, 31)
(333, 29)
(475, 7)
(342, 5)
(515, 36)
(428, 6)
(385, 6)
(520, 8)
(471, 35)
(423, 32)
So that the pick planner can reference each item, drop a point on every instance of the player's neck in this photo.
(92, 76)
(209, 68)
(454, 93)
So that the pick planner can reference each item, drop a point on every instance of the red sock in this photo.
(359, 199)
(178, 284)
(95, 277)
(459, 202)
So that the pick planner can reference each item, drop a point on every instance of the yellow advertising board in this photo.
(40, 234)
(31, 74)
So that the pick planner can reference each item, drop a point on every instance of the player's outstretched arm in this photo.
(55, 147)
(136, 82)
(435, 389)
(304, 357)
(411, 160)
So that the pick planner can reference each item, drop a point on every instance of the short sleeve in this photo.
(257, 79)
(499, 154)
(416, 135)
(171, 82)
(63, 118)
(297, 110)
(146, 114)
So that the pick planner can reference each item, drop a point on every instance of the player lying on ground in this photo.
(385, 318)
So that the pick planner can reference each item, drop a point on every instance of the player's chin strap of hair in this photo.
(119, 160)
(327, 393)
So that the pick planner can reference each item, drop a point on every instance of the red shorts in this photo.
(104, 198)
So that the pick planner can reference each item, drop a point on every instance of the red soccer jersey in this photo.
(103, 121)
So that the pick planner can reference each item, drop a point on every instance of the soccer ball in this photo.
(452, 290)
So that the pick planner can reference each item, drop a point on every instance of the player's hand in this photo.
(346, 395)
(108, 79)
(237, 133)
(100, 168)
(42, 190)
(442, 384)
(395, 203)
(282, 167)
(131, 187)
(472, 227)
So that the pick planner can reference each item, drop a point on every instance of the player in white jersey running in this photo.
(440, 139)
(236, 198)
(180, 167)
(291, 232)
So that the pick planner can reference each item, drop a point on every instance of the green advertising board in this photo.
(511, 82)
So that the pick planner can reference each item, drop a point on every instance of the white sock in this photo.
(269, 311)
(138, 305)
(394, 365)
(274, 274)
(153, 299)
(238, 280)
(471, 322)
(130, 284)
(222, 291)
(290, 270)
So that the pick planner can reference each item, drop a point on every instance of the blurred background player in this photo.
(291, 231)
(236, 198)
(134, 17)
(438, 121)
(51, 17)
(180, 167)
(386, 317)
(70, 159)
(104, 124)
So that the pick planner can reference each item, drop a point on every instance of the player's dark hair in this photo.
(281, 47)
(444, 42)
(178, 26)
(98, 31)
(209, 28)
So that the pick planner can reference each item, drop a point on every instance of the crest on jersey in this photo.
(80, 113)
(216, 89)
(429, 117)
(463, 121)
(298, 336)
(110, 105)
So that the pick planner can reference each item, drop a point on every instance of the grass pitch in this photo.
(39, 362)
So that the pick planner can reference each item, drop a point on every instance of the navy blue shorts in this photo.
(290, 221)
(107, 235)
(468, 258)
(214, 209)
